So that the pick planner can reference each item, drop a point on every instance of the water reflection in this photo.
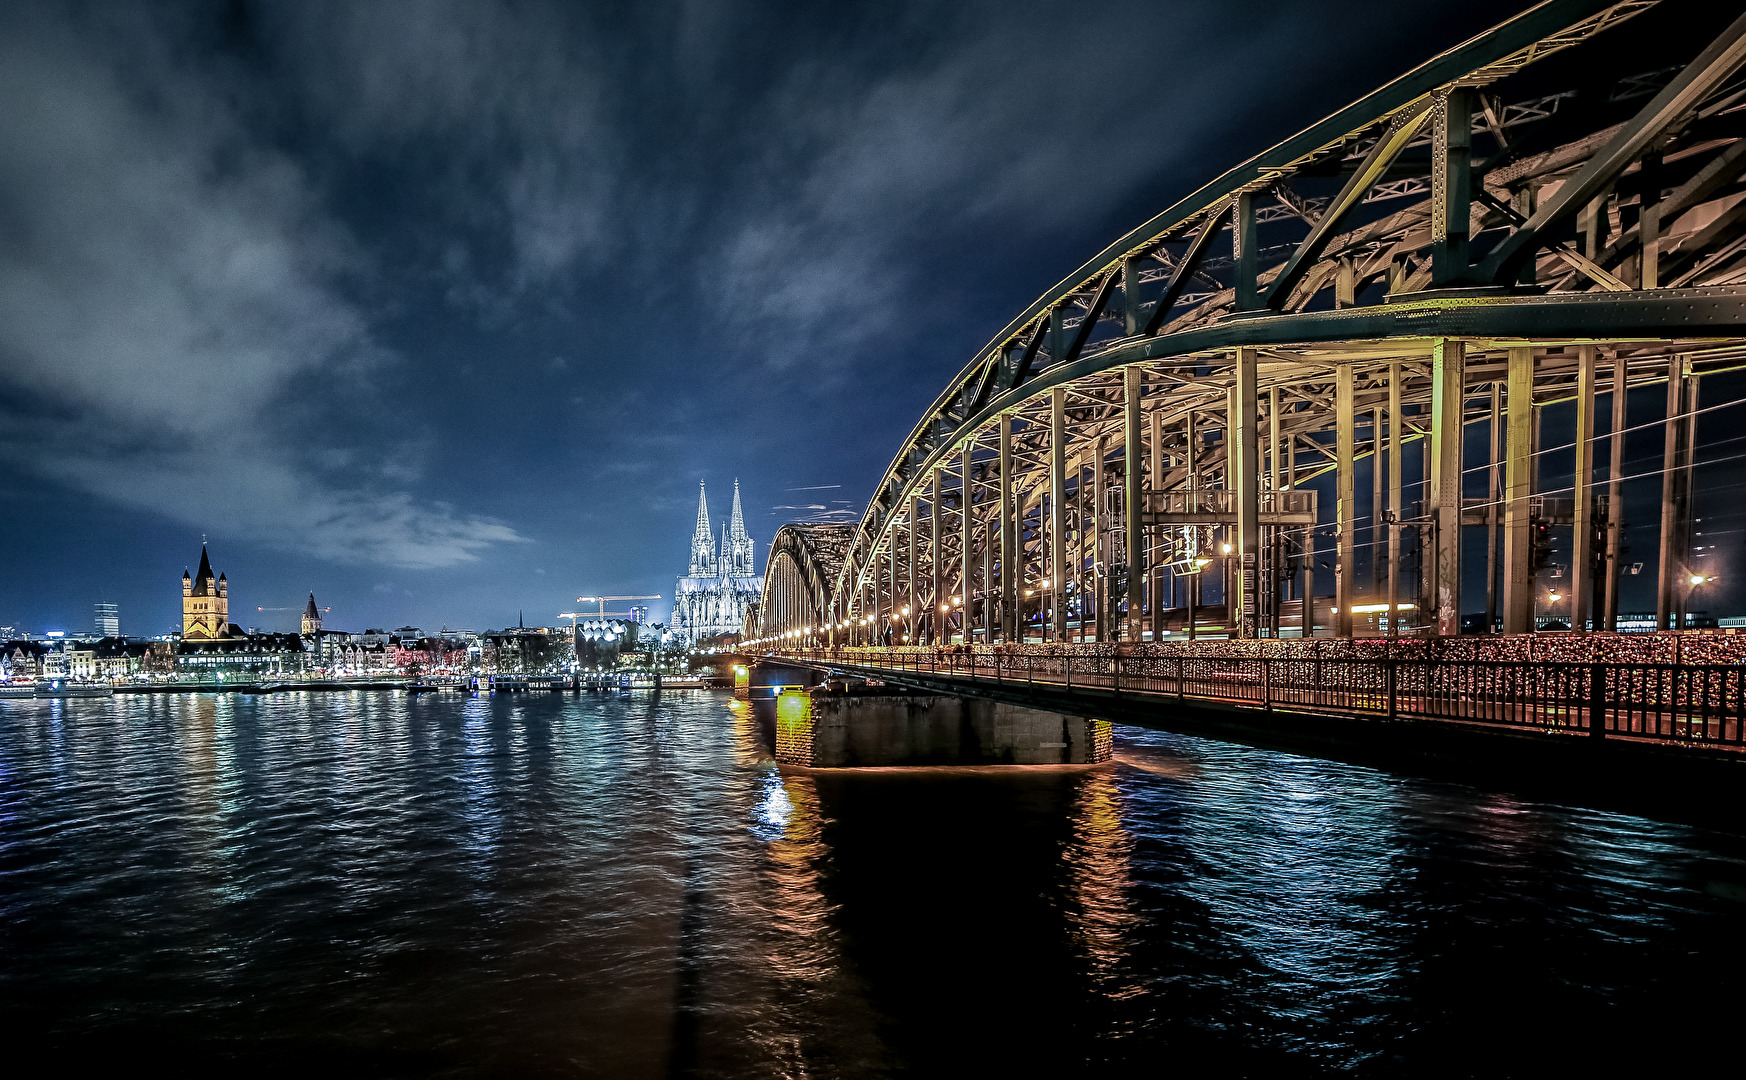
(1099, 859)
(627, 885)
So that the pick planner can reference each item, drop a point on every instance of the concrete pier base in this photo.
(837, 727)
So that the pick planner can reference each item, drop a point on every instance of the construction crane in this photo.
(601, 600)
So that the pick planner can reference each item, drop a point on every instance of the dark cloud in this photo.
(453, 286)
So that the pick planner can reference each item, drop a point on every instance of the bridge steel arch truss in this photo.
(1525, 220)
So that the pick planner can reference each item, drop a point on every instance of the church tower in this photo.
(311, 618)
(702, 543)
(205, 603)
(739, 545)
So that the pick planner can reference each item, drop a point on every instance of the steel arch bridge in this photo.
(1170, 439)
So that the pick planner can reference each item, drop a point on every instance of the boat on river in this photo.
(56, 688)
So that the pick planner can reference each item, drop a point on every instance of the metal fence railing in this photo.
(1694, 704)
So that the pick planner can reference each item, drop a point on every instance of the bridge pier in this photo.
(851, 724)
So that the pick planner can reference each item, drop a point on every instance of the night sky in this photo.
(442, 310)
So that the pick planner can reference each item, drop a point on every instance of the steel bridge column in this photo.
(1009, 556)
(1133, 313)
(1451, 207)
(1448, 387)
(1582, 532)
(1244, 463)
(912, 617)
(1346, 501)
(1675, 451)
(1132, 377)
(1191, 599)
(879, 605)
(1396, 443)
(967, 561)
(1688, 455)
(1275, 544)
(1057, 510)
(1099, 560)
(1377, 570)
(936, 544)
(1494, 506)
(1243, 242)
(1156, 573)
(1518, 577)
(1615, 472)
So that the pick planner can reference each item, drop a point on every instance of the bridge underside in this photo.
(1381, 353)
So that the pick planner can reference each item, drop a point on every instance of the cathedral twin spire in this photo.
(734, 556)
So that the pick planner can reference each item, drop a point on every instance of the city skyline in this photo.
(484, 406)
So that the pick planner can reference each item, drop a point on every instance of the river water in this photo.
(375, 885)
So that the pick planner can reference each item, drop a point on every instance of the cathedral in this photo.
(206, 604)
(722, 582)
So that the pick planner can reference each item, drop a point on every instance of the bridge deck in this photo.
(1692, 705)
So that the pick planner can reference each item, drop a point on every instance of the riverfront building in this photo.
(206, 604)
(721, 584)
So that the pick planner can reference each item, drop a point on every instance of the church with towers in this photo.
(722, 582)
(206, 604)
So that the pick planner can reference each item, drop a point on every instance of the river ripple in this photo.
(371, 884)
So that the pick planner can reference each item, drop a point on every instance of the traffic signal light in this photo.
(1539, 547)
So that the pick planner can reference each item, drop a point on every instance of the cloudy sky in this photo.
(442, 310)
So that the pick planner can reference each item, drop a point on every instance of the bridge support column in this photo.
(1245, 480)
(1675, 497)
(1518, 577)
(1275, 542)
(1346, 500)
(1057, 568)
(1100, 559)
(1451, 146)
(1582, 530)
(912, 602)
(1448, 387)
(1615, 472)
(1134, 556)
(966, 543)
(1494, 509)
(1155, 595)
(878, 626)
(1396, 443)
(1010, 577)
(938, 631)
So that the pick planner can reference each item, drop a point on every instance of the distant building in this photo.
(253, 654)
(721, 583)
(1643, 622)
(106, 620)
(311, 619)
(206, 604)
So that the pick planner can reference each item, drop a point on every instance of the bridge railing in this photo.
(1694, 704)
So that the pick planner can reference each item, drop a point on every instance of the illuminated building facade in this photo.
(205, 603)
(106, 620)
(722, 582)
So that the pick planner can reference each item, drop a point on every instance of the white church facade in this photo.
(721, 584)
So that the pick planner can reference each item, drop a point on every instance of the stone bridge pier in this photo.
(817, 721)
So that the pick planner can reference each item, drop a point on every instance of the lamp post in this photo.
(1693, 582)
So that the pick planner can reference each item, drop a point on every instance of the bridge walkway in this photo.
(1682, 705)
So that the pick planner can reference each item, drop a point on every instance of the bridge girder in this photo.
(1431, 231)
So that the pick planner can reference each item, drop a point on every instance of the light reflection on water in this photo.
(627, 885)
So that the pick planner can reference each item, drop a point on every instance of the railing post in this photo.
(1597, 701)
(1389, 668)
(1179, 679)
(1266, 684)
